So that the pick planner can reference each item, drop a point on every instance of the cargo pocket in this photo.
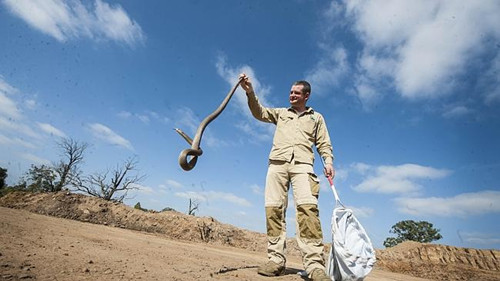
(314, 184)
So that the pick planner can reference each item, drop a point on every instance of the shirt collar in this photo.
(309, 110)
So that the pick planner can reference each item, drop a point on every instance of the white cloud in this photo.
(231, 74)
(462, 205)
(255, 134)
(173, 183)
(51, 130)
(372, 71)
(362, 212)
(143, 117)
(329, 70)
(456, 111)
(341, 174)
(382, 23)
(214, 196)
(17, 127)
(480, 238)
(15, 141)
(11, 117)
(192, 195)
(494, 95)
(34, 159)
(30, 104)
(257, 189)
(367, 92)
(376, 66)
(124, 114)
(256, 129)
(106, 134)
(423, 47)
(361, 168)
(114, 23)
(332, 15)
(187, 122)
(490, 82)
(6, 88)
(395, 179)
(65, 20)
(324, 185)
(8, 107)
(144, 189)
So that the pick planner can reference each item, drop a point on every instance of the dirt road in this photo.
(39, 247)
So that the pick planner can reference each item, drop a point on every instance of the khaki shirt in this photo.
(295, 134)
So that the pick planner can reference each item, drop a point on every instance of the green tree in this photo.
(53, 178)
(39, 178)
(168, 209)
(3, 176)
(421, 231)
(138, 207)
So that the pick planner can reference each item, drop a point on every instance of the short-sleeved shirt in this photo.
(295, 133)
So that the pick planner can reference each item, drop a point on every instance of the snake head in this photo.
(185, 154)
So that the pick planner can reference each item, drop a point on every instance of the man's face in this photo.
(297, 97)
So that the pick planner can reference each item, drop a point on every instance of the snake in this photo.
(195, 150)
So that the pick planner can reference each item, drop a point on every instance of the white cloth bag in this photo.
(352, 255)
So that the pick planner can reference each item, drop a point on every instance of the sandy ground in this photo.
(40, 247)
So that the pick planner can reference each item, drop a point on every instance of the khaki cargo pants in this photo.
(305, 186)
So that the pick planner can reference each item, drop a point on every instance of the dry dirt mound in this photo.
(172, 224)
(441, 262)
(429, 261)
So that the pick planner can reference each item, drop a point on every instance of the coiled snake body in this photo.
(195, 149)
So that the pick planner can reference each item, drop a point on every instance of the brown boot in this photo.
(271, 268)
(319, 275)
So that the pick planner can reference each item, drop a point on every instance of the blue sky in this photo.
(410, 91)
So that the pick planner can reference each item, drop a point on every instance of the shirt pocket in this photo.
(308, 126)
(284, 131)
(285, 119)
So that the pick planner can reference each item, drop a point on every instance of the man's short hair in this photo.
(306, 87)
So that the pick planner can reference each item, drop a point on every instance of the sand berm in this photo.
(67, 236)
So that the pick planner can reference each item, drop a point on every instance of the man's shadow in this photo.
(288, 271)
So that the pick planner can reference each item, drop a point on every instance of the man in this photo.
(298, 128)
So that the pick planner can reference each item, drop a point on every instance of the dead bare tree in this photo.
(116, 187)
(193, 206)
(67, 169)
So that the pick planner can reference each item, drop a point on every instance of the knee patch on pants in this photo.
(274, 218)
(308, 220)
